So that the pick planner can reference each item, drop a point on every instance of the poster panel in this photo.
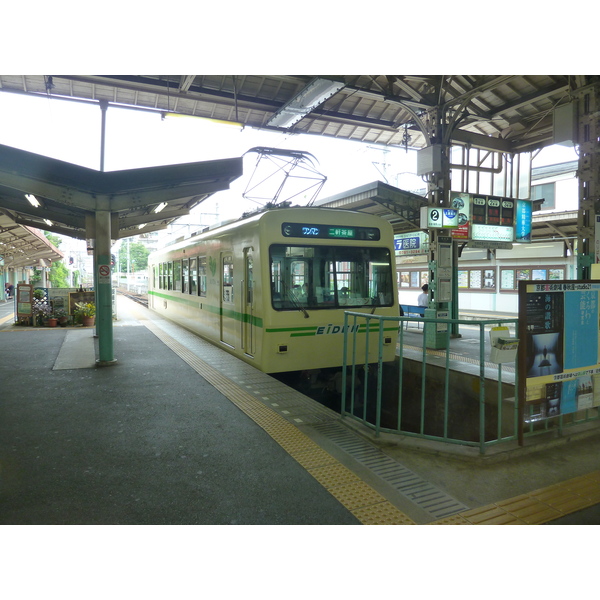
(560, 357)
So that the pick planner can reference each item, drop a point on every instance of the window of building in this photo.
(545, 192)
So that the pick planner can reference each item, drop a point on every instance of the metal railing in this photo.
(437, 403)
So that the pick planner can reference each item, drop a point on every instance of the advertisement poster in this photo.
(462, 203)
(560, 357)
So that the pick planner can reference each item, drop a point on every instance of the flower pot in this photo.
(52, 322)
(88, 321)
(63, 321)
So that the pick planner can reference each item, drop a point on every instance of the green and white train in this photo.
(272, 288)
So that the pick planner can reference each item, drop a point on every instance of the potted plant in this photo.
(62, 316)
(86, 311)
(41, 313)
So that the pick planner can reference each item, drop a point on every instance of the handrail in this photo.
(349, 370)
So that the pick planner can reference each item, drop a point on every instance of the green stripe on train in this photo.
(232, 314)
(257, 321)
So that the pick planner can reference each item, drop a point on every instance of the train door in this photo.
(227, 307)
(248, 303)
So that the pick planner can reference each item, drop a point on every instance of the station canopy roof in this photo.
(503, 113)
(22, 246)
(46, 193)
(508, 113)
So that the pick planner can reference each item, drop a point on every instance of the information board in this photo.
(559, 358)
(84, 297)
(489, 219)
(24, 300)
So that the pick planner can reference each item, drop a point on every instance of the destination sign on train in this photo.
(334, 232)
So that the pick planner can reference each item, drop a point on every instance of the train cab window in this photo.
(202, 276)
(322, 277)
(193, 283)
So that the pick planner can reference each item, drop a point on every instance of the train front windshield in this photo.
(326, 277)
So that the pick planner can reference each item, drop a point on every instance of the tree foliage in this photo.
(59, 275)
(138, 257)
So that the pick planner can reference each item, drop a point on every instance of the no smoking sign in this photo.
(104, 274)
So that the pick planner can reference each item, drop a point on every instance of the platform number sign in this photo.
(433, 217)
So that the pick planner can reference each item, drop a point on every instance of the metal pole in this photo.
(103, 107)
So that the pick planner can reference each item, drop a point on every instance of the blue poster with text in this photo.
(581, 329)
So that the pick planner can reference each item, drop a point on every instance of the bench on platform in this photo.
(411, 310)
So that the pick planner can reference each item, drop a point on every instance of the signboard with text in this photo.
(410, 244)
(434, 217)
(523, 221)
(484, 218)
(559, 356)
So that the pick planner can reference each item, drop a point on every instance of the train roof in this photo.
(255, 216)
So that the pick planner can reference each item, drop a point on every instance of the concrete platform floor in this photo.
(180, 432)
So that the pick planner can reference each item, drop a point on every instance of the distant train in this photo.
(272, 288)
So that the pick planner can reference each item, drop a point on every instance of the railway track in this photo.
(139, 298)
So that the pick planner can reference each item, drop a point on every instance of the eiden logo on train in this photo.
(331, 329)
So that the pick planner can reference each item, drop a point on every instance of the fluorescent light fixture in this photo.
(165, 114)
(33, 200)
(48, 222)
(315, 93)
(160, 207)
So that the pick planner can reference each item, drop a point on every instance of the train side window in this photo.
(160, 276)
(169, 275)
(202, 276)
(177, 275)
(249, 280)
(276, 283)
(185, 270)
(227, 279)
(193, 283)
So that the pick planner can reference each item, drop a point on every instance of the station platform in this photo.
(178, 432)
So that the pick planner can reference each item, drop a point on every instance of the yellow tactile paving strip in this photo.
(537, 507)
(364, 502)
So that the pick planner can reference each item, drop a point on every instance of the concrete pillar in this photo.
(102, 279)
